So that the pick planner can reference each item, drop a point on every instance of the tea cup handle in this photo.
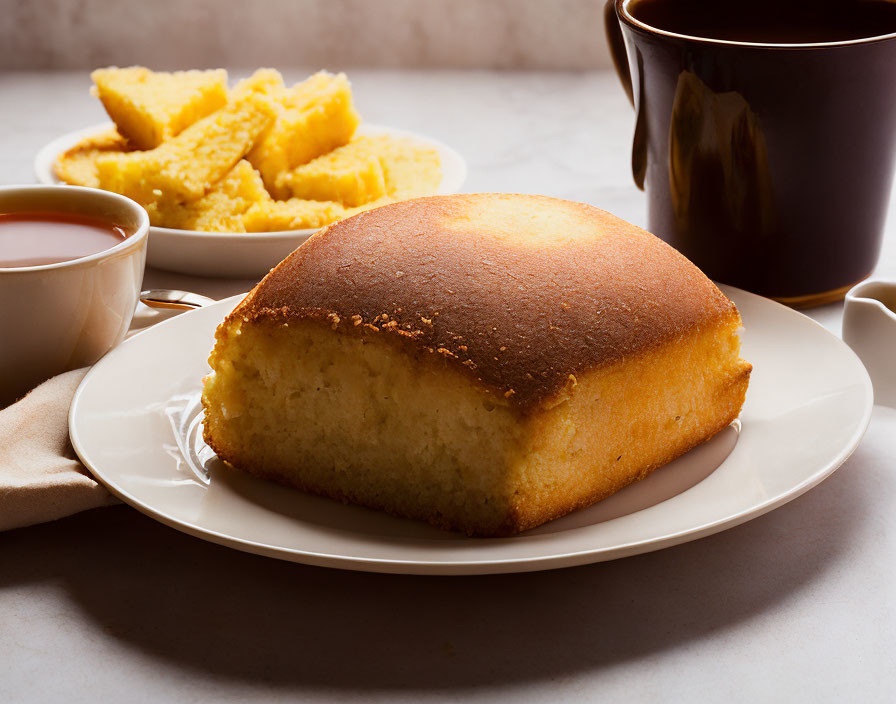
(617, 48)
(869, 328)
(623, 70)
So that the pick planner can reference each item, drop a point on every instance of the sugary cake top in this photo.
(519, 291)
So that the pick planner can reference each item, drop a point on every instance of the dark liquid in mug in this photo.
(34, 238)
(766, 22)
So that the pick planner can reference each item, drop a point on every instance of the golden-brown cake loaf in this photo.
(483, 362)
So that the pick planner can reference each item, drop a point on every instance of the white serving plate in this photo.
(135, 423)
(235, 254)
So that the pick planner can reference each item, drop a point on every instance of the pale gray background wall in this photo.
(165, 34)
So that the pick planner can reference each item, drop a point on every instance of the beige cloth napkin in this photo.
(40, 476)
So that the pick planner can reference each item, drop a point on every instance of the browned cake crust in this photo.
(520, 305)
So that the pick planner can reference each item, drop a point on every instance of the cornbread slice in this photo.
(410, 169)
(351, 174)
(483, 362)
(219, 210)
(315, 117)
(265, 80)
(292, 214)
(77, 166)
(149, 107)
(367, 169)
(187, 166)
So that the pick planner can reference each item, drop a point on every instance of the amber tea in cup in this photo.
(765, 135)
(34, 238)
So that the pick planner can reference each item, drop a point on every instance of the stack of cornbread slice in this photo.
(260, 157)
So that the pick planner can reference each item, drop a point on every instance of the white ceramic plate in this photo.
(135, 422)
(237, 255)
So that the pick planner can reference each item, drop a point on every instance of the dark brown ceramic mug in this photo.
(768, 164)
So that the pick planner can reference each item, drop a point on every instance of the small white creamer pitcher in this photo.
(869, 327)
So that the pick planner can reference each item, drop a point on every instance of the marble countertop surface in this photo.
(798, 605)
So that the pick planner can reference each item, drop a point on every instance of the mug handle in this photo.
(617, 47)
(620, 61)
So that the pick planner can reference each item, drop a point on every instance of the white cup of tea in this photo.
(71, 266)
